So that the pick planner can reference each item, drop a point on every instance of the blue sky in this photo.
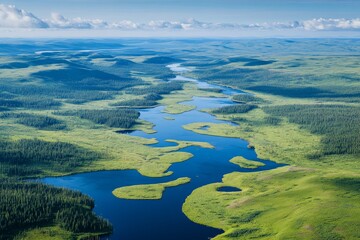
(235, 11)
(232, 18)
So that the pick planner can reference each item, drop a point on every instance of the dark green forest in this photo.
(246, 98)
(339, 125)
(26, 157)
(118, 118)
(30, 204)
(238, 108)
(26, 204)
(37, 121)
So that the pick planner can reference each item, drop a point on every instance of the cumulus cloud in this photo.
(12, 17)
(322, 24)
(59, 21)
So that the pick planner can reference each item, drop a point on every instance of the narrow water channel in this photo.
(163, 219)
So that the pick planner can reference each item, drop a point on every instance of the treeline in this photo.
(247, 98)
(37, 121)
(272, 120)
(149, 100)
(214, 90)
(30, 103)
(118, 118)
(25, 205)
(51, 92)
(28, 157)
(136, 103)
(159, 89)
(233, 109)
(339, 124)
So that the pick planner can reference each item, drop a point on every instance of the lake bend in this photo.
(163, 219)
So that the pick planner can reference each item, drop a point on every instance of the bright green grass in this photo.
(184, 144)
(244, 163)
(287, 203)
(148, 191)
(307, 200)
(53, 233)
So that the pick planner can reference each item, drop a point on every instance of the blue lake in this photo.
(163, 219)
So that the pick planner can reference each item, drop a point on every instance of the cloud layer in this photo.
(12, 17)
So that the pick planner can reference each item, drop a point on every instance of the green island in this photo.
(149, 191)
(244, 163)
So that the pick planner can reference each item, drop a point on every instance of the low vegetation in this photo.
(245, 163)
(290, 202)
(149, 191)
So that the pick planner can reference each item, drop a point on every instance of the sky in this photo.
(230, 18)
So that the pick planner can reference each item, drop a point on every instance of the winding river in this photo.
(163, 219)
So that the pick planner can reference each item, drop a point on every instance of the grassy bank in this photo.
(287, 203)
(149, 191)
(310, 199)
(244, 163)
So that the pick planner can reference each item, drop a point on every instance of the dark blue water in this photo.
(163, 219)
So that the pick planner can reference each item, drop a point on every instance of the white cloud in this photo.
(59, 21)
(12, 17)
(125, 25)
(322, 24)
